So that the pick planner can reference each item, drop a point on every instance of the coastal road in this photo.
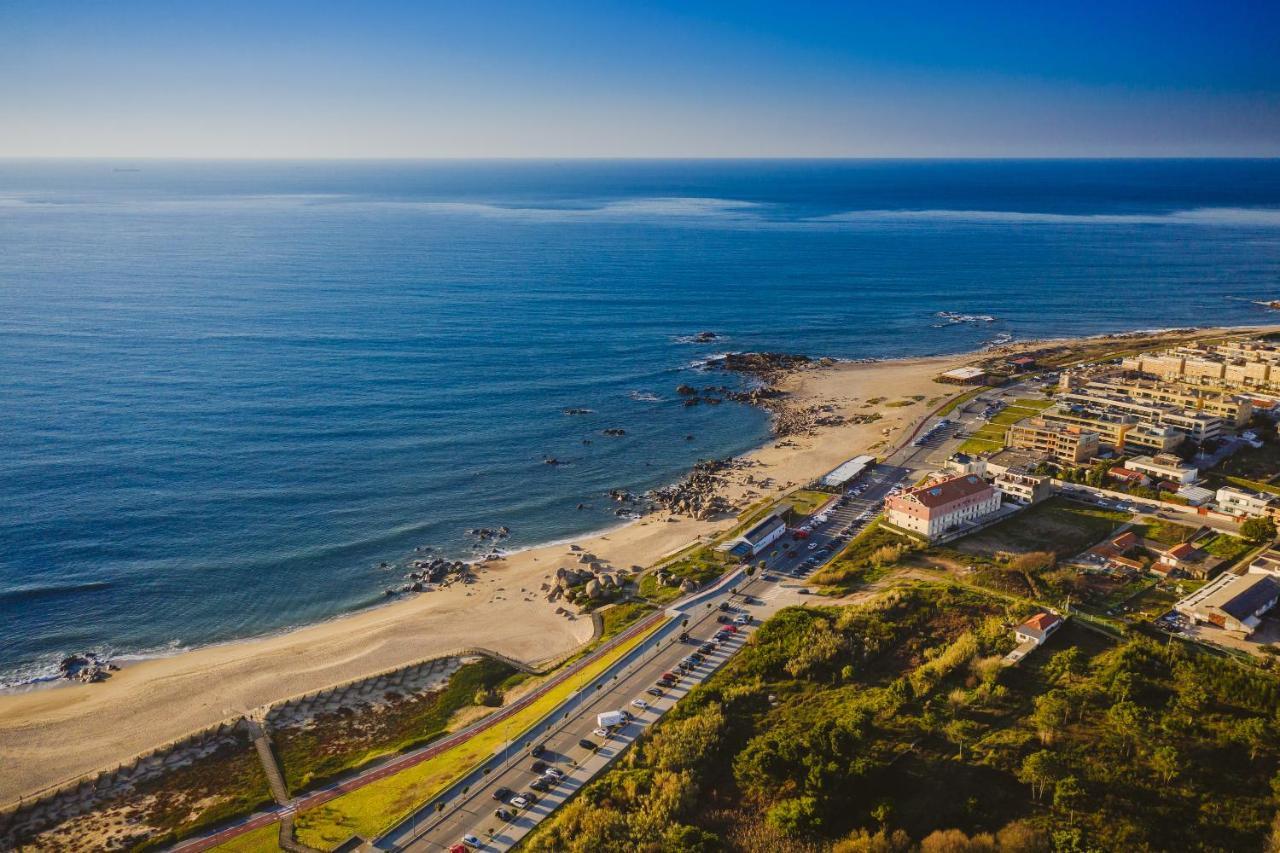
(779, 584)
(475, 813)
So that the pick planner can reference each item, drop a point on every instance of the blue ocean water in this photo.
(230, 390)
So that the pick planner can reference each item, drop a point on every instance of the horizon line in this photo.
(637, 158)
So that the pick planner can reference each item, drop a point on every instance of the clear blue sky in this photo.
(608, 79)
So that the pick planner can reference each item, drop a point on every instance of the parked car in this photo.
(641, 704)
(555, 773)
(540, 785)
(722, 619)
(588, 745)
(538, 749)
(521, 802)
(742, 619)
(472, 841)
(503, 814)
(539, 767)
(602, 733)
(503, 794)
(654, 691)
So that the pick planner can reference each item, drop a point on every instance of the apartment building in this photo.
(1021, 487)
(1239, 365)
(1234, 410)
(1199, 426)
(938, 508)
(1119, 431)
(1069, 443)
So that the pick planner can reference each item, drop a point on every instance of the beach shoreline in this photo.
(57, 733)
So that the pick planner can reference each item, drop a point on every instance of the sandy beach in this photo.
(53, 735)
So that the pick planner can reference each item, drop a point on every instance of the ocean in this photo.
(231, 390)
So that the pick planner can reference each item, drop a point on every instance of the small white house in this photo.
(1241, 502)
(1038, 628)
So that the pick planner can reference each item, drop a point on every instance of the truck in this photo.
(609, 719)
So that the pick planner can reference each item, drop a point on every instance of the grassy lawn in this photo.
(806, 502)
(1013, 414)
(1057, 525)
(1154, 602)
(375, 807)
(1034, 405)
(265, 839)
(1164, 532)
(980, 445)
(1225, 545)
(620, 616)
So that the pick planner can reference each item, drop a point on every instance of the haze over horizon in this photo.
(291, 80)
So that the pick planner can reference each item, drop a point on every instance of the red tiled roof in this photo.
(1122, 473)
(1182, 550)
(1125, 541)
(946, 491)
(1041, 621)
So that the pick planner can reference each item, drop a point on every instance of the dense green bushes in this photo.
(894, 726)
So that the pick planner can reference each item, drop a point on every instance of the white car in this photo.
(520, 802)
(741, 619)
(641, 704)
(471, 841)
(554, 773)
(601, 732)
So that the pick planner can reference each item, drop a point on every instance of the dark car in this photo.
(540, 785)
(503, 794)
(538, 750)
(654, 691)
(722, 619)
(666, 682)
(707, 648)
(503, 814)
(724, 605)
(684, 636)
(588, 744)
(696, 658)
(538, 766)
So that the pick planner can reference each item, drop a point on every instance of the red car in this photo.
(732, 629)
(458, 848)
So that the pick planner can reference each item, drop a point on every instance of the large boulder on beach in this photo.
(608, 579)
(594, 589)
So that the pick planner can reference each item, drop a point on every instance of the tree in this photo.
(1052, 710)
(1258, 529)
(1252, 734)
(1040, 770)
(794, 817)
(1068, 796)
(1165, 763)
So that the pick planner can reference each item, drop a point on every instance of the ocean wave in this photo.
(28, 593)
(1251, 217)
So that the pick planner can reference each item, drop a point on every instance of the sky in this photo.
(378, 79)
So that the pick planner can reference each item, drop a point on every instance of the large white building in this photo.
(937, 508)
(1165, 466)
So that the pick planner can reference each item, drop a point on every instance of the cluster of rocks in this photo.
(572, 410)
(696, 495)
(485, 534)
(804, 420)
(433, 571)
(705, 338)
(86, 668)
(615, 431)
(765, 365)
(667, 579)
(594, 580)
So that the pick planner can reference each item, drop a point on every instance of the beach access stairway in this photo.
(267, 756)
